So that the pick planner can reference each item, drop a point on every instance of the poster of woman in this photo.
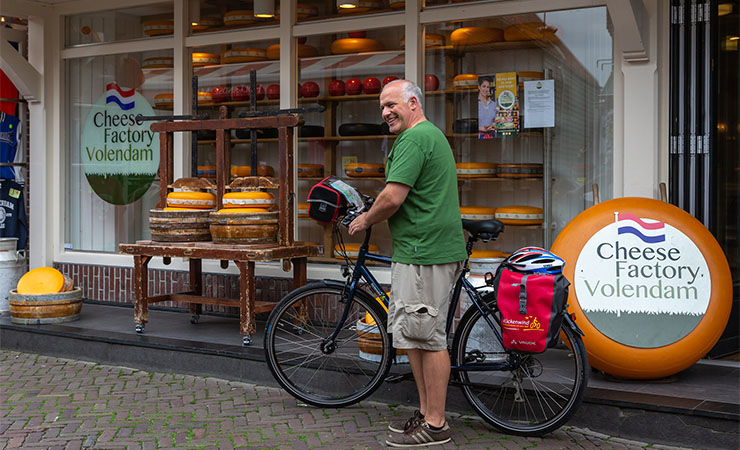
(486, 107)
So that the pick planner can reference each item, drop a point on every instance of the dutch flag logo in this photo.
(649, 233)
(122, 97)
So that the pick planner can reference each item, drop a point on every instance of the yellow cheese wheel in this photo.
(263, 170)
(174, 208)
(397, 4)
(475, 170)
(204, 98)
(364, 170)
(241, 211)
(207, 22)
(158, 27)
(352, 250)
(255, 199)
(465, 81)
(477, 212)
(302, 11)
(355, 45)
(206, 171)
(362, 6)
(199, 200)
(303, 210)
(520, 215)
(239, 17)
(158, 62)
(304, 51)
(42, 280)
(431, 40)
(529, 31)
(487, 254)
(239, 55)
(476, 35)
(164, 100)
(310, 170)
(520, 170)
(205, 59)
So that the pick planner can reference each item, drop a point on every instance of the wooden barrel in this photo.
(244, 228)
(179, 226)
(33, 309)
(369, 342)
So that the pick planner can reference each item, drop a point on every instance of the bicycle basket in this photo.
(330, 198)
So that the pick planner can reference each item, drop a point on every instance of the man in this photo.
(421, 204)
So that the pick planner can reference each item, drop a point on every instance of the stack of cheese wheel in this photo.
(249, 199)
(520, 215)
(465, 81)
(164, 101)
(158, 62)
(158, 27)
(204, 59)
(302, 11)
(205, 98)
(476, 35)
(475, 170)
(529, 31)
(355, 45)
(239, 17)
(525, 170)
(477, 212)
(244, 225)
(304, 51)
(364, 170)
(240, 55)
(431, 40)
(310, 170)
(351, 250)
(207, 171)
(263, 170)
(206, 22)
(44, 280)
(44, 296)
(189, 200)
(363, 6)
(303, 210)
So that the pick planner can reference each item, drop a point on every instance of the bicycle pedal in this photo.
(397, 378)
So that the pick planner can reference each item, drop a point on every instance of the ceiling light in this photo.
(264, 8)
(346, 4)
(194, 11)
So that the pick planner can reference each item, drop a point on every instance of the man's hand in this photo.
(359, 224)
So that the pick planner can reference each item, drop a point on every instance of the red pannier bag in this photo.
(532, 307)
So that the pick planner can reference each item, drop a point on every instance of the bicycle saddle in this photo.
(483, 229)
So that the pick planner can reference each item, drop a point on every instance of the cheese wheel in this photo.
(310, 170)
(241, 211)
(164, 100)
(205, 59)
(529, 31)
(68, 284)
(465, 81)
(530, 76)
(364, 170)
(352, 250)
(475, 170)
(42, 280)
(175, 208)
(520, 215)
(304, 51)
(397, 4)
(476, 35)
(303, 210)
(158, 62)
(198, 200)
(239, 55)
(255, 199)
(204, 98)
(263, 170)
(302, 11)
(355, 45)
(362, 6)
(239, 17)
(207, 171)
(477, 212)
(158, 27)
(206, 22)
(431, 40)
(519, 171)
(486, 254)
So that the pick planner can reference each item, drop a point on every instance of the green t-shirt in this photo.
(427, 228)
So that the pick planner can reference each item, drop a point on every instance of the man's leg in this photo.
(417, 368)
(436, 376)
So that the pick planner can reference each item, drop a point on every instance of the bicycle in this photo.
(324, 346)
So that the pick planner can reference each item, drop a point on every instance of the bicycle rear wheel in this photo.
(320, 371)
(536, 397)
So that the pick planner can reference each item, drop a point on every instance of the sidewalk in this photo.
(49, 402)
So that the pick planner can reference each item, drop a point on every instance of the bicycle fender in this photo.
(572, 324)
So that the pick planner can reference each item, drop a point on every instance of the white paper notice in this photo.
(539, 104)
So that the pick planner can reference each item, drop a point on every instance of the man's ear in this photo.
(413, 103)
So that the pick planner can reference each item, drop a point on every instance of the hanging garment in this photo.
(13, 221)
(8, 91)
(10, 133)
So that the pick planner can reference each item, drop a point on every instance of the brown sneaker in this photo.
(401, 425)
(420, 435)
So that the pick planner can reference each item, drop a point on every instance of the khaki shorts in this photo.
(420, 297)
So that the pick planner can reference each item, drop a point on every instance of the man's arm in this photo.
(385, 205)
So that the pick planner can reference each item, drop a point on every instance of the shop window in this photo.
(208, 16)
(120, 25)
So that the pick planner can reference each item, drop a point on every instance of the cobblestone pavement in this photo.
(48, 402)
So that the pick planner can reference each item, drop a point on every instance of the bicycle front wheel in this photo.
(537, 396)
(312, 366)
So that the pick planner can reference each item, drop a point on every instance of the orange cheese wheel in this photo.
(158, 62)
(303, 210)
(239, 17)
(465, 81)
(487, 254)
(241, 211)
(158, 27)
(476, 35)
(475, 170)
(397, 4)
(263, 170)
(204, 98)
(304, 51)
(204, 59)
(520, 215)
(302, 11)
(431, 40)
(198, 200)
(42, 280)
(529, 31)
(206, 22)
(207, 171)
(239, 55)
(352, 250)
(310, 170)
(364, 170)
(477, 212)
(255, 199)
(520, 170)
(164, 100)
(355, 45)
(362, 6)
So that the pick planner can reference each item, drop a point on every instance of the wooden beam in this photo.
(26, 78)
(630, 20)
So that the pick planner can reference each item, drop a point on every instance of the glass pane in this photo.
(120, 25)
(308, 10)
(112, 160)
(219, 16)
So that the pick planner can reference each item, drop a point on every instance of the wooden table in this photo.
(244, 256)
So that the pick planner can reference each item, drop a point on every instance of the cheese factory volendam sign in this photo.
(120, 155)
(652, 289)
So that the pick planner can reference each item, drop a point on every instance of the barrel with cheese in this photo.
(520, 215)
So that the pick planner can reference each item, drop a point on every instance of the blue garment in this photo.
(9, 136)
(13, 221)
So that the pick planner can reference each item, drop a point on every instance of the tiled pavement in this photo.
(48, 402)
